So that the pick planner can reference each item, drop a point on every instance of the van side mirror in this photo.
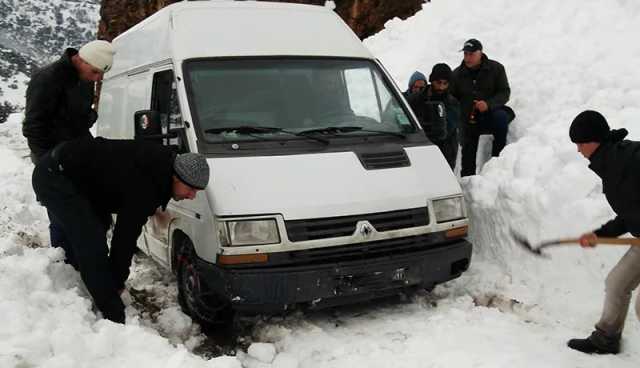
(147, 125)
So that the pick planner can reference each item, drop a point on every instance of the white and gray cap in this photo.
(192, 169)
(99, 54)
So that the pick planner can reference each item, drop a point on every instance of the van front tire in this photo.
(196, 300)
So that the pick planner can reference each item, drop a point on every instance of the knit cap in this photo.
(440, 71)
(192, 169)
(589, 126)
(416, 76)
(98, 54)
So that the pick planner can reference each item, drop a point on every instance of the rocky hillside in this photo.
(34, 32)
(365, 17)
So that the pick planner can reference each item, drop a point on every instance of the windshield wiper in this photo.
(347, 129)
(250, 129)
(243, 129)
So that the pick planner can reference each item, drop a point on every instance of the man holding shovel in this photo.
(617, 163)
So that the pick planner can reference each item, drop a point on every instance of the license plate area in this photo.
(371, 281)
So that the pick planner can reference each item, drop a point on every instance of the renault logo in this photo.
(366, 230)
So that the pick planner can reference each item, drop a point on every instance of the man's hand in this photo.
(480, 105)
(588, 240)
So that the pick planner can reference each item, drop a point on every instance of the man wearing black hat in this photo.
(481, 86)
(439, 112)
(83, 181)
(617, 163)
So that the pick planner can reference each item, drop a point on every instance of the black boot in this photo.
(597, 343)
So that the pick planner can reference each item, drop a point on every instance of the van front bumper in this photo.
(273, 289)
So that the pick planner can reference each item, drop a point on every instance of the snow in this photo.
(46, 314)
(262, 352)
(509, 310)
(15, 94)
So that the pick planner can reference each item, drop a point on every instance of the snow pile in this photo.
(46, 314)
(561, 58)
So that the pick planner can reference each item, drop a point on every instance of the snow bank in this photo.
(561, 58)
(45, 313)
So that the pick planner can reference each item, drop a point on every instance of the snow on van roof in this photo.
(187, 30)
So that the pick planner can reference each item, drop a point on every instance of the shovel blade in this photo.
(525, 244)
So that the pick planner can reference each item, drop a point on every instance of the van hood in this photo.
(326, 184)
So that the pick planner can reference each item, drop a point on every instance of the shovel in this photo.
(537, 249)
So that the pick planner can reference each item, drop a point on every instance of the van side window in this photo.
(164, 99)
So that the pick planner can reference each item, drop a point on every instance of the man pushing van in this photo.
(83, 181)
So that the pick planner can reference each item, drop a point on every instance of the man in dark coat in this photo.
(427, 105)
(83, 181)
(59, 104)
(617, 163)
(481, 86)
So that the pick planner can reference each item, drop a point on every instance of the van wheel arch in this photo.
(194, 297)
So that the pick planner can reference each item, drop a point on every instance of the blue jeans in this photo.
(495, 122)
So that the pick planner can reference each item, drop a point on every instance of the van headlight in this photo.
(449, 209)
(251, 232)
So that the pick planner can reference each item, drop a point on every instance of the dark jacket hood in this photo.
(416, 76)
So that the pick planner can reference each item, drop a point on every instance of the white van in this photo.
(324, 189)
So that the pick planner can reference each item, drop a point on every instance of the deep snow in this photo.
(561, 58)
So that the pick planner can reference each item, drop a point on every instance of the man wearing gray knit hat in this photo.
(59, 104)
(192, 169)
(84, 181)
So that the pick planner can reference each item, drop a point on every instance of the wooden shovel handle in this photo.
(601, 240)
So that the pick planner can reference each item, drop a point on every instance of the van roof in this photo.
(197, 29)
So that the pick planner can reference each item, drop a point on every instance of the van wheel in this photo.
(194, 297)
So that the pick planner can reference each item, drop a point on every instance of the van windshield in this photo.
(292, 99)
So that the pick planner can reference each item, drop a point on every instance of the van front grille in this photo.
(384, 160)
(332, 227)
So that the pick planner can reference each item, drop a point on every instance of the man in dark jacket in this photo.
(60, 96)
(481, 86)
(58, 104)
(428, 105)
(617, 163)
(83, 181)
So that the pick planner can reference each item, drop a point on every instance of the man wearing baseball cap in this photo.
(481, 86)
(617, 162)
(84, 181)
(59, 103)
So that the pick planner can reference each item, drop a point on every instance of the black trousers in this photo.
(85, 232)
(449, 148)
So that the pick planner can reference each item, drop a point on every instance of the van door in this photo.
(164, 100)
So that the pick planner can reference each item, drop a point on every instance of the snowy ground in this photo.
(508, 310)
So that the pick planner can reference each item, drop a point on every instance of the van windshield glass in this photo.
(306, 96)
